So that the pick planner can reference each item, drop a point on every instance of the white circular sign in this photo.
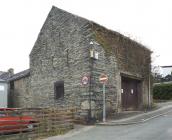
(85, 80)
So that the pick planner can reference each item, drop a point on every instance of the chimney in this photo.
(11, 71)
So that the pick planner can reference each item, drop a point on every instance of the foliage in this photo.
(159, 78)
(167, 78)
(162, 91)
(109, 40)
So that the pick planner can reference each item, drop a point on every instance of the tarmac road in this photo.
(157, 129)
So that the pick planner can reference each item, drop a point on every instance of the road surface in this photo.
(157, 129)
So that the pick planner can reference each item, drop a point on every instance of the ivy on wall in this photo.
(131, 55)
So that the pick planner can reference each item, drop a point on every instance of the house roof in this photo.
(4, 75)
(19, 75)
(166, 66)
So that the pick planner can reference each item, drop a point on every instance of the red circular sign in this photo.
(85, 80)
(103, 78)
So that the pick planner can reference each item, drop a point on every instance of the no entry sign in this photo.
(103, 78)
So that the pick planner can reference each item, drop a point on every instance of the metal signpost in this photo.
(103, 79)
(85, 81)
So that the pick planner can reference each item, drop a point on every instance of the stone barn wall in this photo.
(60, 54)
(131, 59)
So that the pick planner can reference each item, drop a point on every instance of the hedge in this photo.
(162, 91)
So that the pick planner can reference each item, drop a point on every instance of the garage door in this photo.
(130, 93)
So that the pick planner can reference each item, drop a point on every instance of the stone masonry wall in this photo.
(61, 52)
(132, 59)
(20, 95)
(104, 65)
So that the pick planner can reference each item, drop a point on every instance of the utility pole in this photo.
(104, 104)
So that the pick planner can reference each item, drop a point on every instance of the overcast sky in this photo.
(147, 21)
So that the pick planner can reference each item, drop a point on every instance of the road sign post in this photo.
(103, 79)
(104, 104)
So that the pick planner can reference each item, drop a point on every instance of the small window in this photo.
(59, 89)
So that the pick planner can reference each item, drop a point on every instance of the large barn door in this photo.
(129, 94)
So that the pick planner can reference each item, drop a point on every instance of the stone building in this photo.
(68, 48)
(20, 90)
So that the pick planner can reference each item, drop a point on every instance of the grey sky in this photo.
(147, 21)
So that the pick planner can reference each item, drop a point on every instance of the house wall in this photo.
(3, 94)
(134, 62)
(20, 95)
(131, 60)
(166, 71)
(103, 65)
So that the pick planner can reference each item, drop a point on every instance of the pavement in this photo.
(140, 117)
(129, 121)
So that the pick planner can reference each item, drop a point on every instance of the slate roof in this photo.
(19, 75)
(4, 75)
(1, 72)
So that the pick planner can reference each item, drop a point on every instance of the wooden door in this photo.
(129, 94)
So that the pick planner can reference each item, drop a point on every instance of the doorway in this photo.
(130, 93)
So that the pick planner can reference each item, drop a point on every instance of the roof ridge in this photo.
(20, 75)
